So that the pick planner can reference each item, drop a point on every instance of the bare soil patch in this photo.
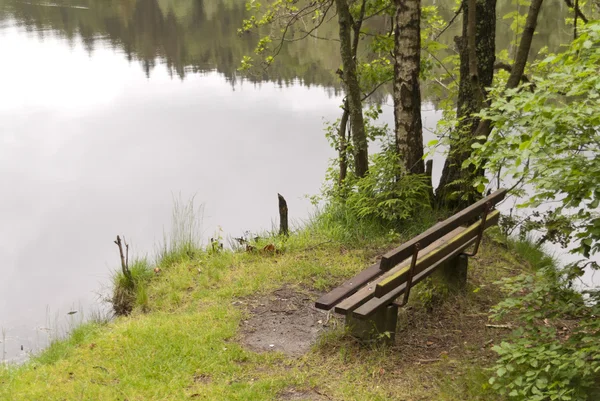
(285, 320)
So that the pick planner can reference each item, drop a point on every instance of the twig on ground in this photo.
(499, 326)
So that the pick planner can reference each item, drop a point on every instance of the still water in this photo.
(110, 110)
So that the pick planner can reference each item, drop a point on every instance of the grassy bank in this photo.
(185, 338)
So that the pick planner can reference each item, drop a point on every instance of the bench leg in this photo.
(455, 273)
(381, 326)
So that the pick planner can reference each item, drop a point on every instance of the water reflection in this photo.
(201, 35)
(188, 36)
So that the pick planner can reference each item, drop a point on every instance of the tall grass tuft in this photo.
(185, 239)
(532, 253)
(181, 244)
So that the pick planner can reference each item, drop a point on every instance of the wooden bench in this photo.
(368, 300)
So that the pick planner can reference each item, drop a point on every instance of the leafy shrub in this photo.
(387, 193)
(378, 205)
(546, 139)
(555, 353)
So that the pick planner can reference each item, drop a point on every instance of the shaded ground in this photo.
(284, 321)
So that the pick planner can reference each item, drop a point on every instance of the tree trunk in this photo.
(359, 137)
(343, 144)
(523, 52)
(407, 93)
(517, 70)
(455, 189)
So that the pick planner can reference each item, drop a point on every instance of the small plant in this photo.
(129, 291)
(431, 292)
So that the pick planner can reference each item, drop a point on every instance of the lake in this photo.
(112, 110)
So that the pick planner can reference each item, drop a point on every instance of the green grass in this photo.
(130, 293)
(182, 339)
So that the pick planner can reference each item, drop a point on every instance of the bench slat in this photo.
(389, 283)
(367, 292)
(349, 287)
(395, 256)
(372, 305)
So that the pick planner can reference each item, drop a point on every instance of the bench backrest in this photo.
(405, 250)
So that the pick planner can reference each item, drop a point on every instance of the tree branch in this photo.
(124, 258)
(379, 85)
(356, 28)
(305, 11)
(577, 11)
(456, 14)
(376, 13)
(442, 65)
(525, 45)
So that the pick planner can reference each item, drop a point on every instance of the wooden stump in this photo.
(283, 216)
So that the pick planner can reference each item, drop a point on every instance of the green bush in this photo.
(379, 204)
(555, 353)
(387, 193)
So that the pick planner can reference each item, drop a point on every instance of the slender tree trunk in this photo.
(407, 92)
(525, 45)
(518, 69)
(343, 140)
(343, 144)
(359, 137)
(456, 182)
